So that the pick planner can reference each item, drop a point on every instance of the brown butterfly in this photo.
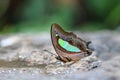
(65, 55)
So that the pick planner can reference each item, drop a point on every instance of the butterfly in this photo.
(67, 45)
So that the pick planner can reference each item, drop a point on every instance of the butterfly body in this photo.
(58, 34)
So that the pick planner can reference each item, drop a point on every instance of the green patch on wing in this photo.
(67, 46)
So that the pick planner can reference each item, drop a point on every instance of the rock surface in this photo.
(24, 58)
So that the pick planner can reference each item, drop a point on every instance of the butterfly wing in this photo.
(58, 33)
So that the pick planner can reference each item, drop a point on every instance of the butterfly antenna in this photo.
(49, 52)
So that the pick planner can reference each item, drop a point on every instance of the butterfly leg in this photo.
(68, 59)
(71, 63)
(63, 59)
(58, 58)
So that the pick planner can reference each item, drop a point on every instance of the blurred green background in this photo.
(38, 15)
